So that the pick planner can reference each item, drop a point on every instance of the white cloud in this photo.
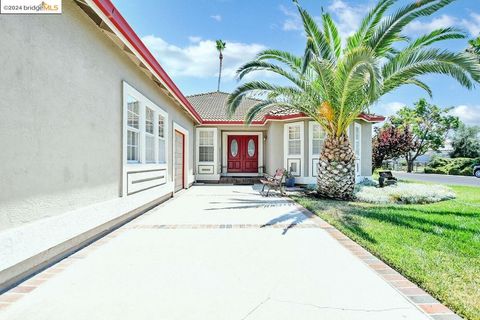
(443, 21)
(348, 17)
(293, 21)
(389, 108)
(470, 24)
(200, 59)
(194, 39)
(216, 17)
(468, 114)
(473, 25)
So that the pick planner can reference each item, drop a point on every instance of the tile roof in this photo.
(212, 106)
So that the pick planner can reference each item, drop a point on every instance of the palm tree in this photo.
(220, 47)
(335, 81)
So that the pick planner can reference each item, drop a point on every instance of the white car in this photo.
(476, 171)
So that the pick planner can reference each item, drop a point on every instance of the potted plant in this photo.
(289, 180)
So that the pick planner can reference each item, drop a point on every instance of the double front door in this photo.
(242, 154)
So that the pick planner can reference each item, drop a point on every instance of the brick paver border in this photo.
(417, 296)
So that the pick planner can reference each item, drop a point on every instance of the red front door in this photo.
(242, 154)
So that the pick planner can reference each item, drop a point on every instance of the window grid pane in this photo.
(133, 114)
(357, 142)
(161, 151)
(132, 145)
(149, 148)
(294, 147)
(294, 132)
(206, 154)
(161, 126)
(206, 138)
(294, 140)
(318, 137)
(149, 120)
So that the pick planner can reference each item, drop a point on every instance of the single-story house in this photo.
(94, 132)
(277, 138)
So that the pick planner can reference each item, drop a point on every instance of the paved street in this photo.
(218, 252)
(440, 178)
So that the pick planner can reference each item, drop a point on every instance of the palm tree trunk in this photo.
(220, 72)
(336, 169)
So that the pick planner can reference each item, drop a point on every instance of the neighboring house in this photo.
(277, 138)
(94, 132)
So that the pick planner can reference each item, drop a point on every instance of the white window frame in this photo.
(313, 156)
(142, 165)
(358, 153)
(206, 170)
(286, 155)
(212, 146)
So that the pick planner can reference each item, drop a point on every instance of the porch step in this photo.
(239, 180)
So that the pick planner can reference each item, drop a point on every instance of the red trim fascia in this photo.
(107, 7)
(256, 122)
(371, 117)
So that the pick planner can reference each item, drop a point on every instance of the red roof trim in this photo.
(363, 116)
(371, 117)
(107, 7)
(256, 122)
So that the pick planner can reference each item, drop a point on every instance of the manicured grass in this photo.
(435, 245)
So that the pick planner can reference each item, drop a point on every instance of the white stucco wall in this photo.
(61, 123)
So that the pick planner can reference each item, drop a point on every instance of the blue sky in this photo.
(181, 34)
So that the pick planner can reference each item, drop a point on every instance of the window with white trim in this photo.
(318, 138)
(133, 130)
(294, 140)
(146, 129)
(206, 146)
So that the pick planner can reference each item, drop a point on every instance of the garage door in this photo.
(179, 160)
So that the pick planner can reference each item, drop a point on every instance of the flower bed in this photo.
(404, 193)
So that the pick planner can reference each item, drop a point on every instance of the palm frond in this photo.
(331, 35)
(390, 27)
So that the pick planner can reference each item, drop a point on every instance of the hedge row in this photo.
(456, 166)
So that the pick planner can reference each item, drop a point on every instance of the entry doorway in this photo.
(242, 154)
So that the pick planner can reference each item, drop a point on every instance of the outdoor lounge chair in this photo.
(273, 182)
(386, 179)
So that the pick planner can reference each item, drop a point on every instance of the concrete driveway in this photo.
(439, 178)
(217, 252)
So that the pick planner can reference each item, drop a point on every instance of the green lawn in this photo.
(436, 245)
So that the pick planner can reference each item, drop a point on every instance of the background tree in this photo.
(220, 45)
(337, 80)
(390, 142)
(429, 125)
(466, 142)
(474, 46)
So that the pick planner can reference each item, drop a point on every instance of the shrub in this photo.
(456, 166)
(410, 193)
